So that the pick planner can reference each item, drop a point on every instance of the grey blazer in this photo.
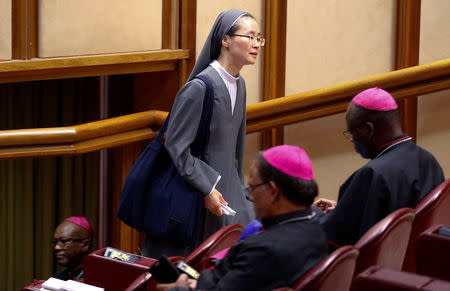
(224, 152)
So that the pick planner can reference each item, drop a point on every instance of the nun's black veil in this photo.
(213, 44)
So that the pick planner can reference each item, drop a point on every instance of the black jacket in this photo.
(401, 176)
(290, 245)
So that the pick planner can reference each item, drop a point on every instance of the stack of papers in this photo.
(54, 284)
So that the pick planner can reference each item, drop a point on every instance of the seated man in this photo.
(72, 241)
(399, 174)
(282, 188)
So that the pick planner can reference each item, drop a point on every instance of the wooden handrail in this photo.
(411, 81)
(83, 138)
(117, 131)
(92, 65)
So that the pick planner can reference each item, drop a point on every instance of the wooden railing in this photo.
(117, 131)
(93, 65)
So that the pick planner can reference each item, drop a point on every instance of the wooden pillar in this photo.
(170, 23)
(24, 29)
(407, 55)
(187, 32)
(274, 73)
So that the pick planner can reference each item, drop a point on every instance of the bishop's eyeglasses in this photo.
(64, 242)
(249, 190)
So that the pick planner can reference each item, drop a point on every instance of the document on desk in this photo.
(71, 285)
(53, 284)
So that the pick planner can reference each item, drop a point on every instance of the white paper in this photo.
(71, 285)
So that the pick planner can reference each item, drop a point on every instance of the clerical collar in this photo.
(395, 141)
(287, 217)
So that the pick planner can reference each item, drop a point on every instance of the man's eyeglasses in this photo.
(250, 188)
(64, 242)
(258, 40)
(349, 132)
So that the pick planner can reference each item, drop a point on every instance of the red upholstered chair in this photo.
(432, 210)
(433, 254)
(113, 274)
(378, 278)
(222, 239)
(335, 272)
(385, 243)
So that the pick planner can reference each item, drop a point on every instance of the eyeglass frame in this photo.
(65, 242)
(261, 41)
(250, 188)
(348, 134)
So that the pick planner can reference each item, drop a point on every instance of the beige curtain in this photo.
(38, 193)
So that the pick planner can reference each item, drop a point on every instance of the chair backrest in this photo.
(432, 210)
(112, 274)
(385, 243)
(335, 272)
(222, 239)
(433, 253)
(378, 278)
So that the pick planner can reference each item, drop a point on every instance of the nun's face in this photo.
(243, 45)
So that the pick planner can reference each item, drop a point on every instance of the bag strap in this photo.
(202, 136)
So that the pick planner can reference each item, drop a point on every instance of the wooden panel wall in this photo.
(407, 55)
(274, 62)
(24, 29)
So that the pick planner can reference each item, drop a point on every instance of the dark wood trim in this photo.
(103, 225)
(24, 29)
(32, 32)
(407, 55)
(274, 72)
(170, 19)
(188, 29)
(19, 27)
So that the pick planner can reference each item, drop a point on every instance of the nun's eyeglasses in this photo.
(255, 39)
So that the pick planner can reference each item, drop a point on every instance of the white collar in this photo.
(223, 73)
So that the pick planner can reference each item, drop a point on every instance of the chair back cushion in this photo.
(433, 253)
(222, 239)
(385, 243)
(335, 272)
(432, 210)
(378, 278)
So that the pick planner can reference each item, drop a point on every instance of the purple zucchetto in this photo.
(81, 221)
(375, 99)
(291, 160)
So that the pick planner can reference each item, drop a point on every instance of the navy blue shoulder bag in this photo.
(155, 198)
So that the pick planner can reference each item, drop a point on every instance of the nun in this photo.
(234, 41)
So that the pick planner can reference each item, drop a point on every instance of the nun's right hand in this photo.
(213, 201)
